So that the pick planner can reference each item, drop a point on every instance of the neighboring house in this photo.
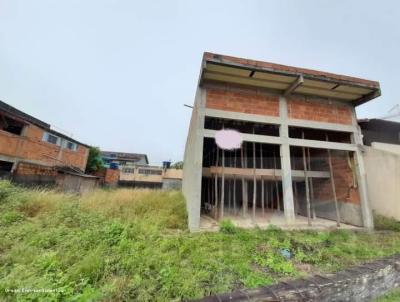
(135, 171)
(121, 159)
(141, 176)
(382, 164)
(33, 153)
(301, 160)
(381, 133)
(146, 176)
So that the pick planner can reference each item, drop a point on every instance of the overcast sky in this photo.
(116, 74)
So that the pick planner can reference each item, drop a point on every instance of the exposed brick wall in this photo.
(300, 108)
(242, 102)
(30, 146)
(33, 169)
(345, 184)
(108, 176)
(112, 176)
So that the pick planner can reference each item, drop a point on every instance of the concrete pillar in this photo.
(366, 211)
(288, 202)
(193, 162)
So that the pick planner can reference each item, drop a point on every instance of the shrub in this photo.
(6, 190)
(226, 226)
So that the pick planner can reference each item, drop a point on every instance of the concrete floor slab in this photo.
(275, 218)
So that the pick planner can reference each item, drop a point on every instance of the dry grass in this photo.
(133, 245)
(162, 208)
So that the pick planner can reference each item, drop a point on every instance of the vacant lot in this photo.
(133, 245)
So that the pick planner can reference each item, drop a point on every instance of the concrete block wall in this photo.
(383, 178)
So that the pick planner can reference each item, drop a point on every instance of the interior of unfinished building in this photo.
(299, 162)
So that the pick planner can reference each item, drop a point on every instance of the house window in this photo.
(128, 170)
(150, 172)
(70, 145)
(51, 138)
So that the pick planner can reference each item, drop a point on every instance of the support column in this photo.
(193, 159)
(366, 211)
(287, 188)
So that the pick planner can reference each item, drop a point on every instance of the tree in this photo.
(94, 162)
(177, 165)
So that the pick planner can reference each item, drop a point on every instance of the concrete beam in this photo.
(275, 140)
(321, 125)
(267, 174)
(294, 85)
(322, 144)
(266, 139)
(239, 116)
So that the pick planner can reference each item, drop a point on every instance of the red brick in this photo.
(321, 112)
(242, 102)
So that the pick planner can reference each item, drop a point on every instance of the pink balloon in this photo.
(228, 139)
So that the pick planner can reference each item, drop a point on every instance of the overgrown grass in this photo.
(385, 223)
(393, 296)
(133, 245)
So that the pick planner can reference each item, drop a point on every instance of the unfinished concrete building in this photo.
(300, 162)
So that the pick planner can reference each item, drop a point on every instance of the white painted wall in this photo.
(383, 181)
(386, 147)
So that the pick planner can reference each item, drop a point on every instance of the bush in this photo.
(226, 226)
(6, 190)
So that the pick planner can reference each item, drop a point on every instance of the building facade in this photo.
(135, 171)
(123, 159)
(29, 146)
(301, 154)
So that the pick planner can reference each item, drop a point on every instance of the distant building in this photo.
(150, 177)
(32, 152)
(135, 171)
(121, 159)
(379, 131)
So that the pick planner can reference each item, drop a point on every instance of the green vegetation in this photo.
(226, 226)
(385, 223)
(133, 245)
(177, 165)
(393, 296)
(94, 162)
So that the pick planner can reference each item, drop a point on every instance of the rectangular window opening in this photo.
(213, 123)
(149, 172)
(320, 134)
(11, 125)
